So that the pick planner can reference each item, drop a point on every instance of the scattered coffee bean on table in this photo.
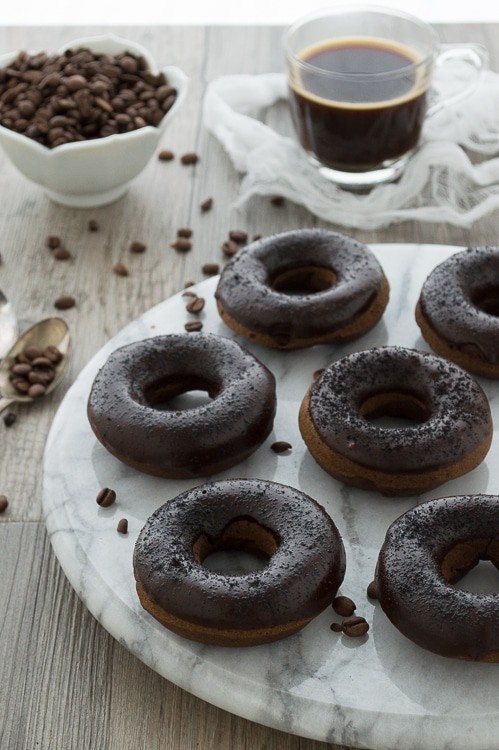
(122, 527)
(189, 158)
(120, 269)
(210, 269)
(336, 627)
(280, 446)
(9, 418)
(277, 200)
(166, 155)
(105, 497)
(207, 205)
(65, 302)
(137, 247)
(53, 241)
(344, 606)
(188, 293)
(93, 225)
(4, 503)
(236, 235)
(184, 232)
(81, 95)
(182, 245)
(61, 253)
(230, 248)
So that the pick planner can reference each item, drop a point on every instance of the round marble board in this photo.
(379, 691)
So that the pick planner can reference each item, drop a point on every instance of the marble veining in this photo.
(380, 691)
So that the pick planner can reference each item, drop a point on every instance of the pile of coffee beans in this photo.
(81, 95)
(33, 370)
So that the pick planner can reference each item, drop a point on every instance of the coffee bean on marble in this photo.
(166, 155)
(9, 419)
(210, 269)
(336, 627)
(105, 497)
(53, 241)
(236, 235)
(355, 626)
(4, 503)
(195, 305)
(137, 247)
(61, 253)
(193, 326)
(281, 446)
(120, 269)
(344, 606)
(122, 527)
(93, 225)
(184, 232)
(371, 590)
(182, 245)
(230, 248)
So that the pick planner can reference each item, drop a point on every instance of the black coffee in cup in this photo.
(358, 102)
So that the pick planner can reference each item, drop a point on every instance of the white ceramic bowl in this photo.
(95, 172)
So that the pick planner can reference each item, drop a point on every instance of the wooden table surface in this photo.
(64, 682)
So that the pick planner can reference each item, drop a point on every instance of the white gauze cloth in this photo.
(453, 177)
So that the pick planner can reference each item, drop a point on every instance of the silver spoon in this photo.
(48, 332)
(8, 325)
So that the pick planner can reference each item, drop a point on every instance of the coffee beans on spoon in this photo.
(81, 95)
(33, 370)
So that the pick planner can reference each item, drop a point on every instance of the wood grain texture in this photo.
(64, 682)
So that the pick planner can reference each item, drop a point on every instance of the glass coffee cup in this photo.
(359, 81)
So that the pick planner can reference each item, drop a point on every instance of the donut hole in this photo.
(394, 409)
(243, 546)
(188, 392)
(487, 299)
(473, 564)
(303, 280)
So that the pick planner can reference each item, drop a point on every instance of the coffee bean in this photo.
(166, 155)
(137, 247)
(193, 325)
(20, 369)
(206, 205)
(280, 446)
(120, 269)
(36, 390)
(277, 200)
(184, 232)
(122, 527)
(37, 377)
(4, 503)
(53, 354)
(210, 269)
(9, 418)
(93, 225)
(80, 95)
(355, 629)
(53, 241)
(65, 302)
(105, 497)
(195, 305)
(189, 283)
(21, 385)
(344, 606)
(238, 236)
(371, 590)
(182, 245)
(230, 248)
(189, 158)
(336, 627)
(60, 253)
(33, 352)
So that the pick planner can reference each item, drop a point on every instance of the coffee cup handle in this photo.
(473, 55)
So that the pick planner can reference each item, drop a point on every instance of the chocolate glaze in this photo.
(449, 300)
(419, 598)
(192, 442)
(458, 413)
(246, 293)
(299, 580)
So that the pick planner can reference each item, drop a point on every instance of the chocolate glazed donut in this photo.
(303, 548)
(123, 413)
(301, 288)
(450, 435)
(425, 552)
(458, 310)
